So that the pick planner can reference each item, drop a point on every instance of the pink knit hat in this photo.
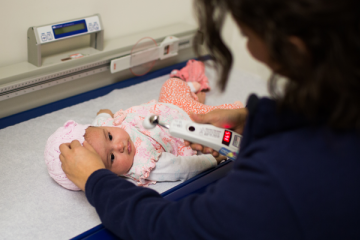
(66, 134)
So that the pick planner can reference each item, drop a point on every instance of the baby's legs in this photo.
(201, 97)
(177, 92)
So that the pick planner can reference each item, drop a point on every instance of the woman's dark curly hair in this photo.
(324, 81)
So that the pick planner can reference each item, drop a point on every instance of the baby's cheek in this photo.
(129, 164)
(105, 163)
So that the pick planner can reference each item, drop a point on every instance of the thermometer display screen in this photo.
(69, 29)
(227, 137)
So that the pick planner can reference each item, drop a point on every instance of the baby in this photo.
(130, 150)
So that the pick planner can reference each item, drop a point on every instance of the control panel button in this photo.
(43, 37)
(91, 28)
(49, 36)
(96, 26)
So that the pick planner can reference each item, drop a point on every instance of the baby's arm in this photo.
(108, 111)
(174, 168)
(102, 116)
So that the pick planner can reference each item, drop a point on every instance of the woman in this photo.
(297, 174)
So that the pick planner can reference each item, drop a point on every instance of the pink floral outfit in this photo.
(156, 149)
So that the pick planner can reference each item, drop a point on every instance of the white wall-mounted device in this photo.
(46, 34)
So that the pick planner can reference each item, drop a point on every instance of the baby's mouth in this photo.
(129, 147)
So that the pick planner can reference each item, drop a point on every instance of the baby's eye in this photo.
(112, 158)
(110, 136)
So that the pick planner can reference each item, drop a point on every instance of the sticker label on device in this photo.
(236, 142)
(209, 132)
(177, 123)
(228, 153)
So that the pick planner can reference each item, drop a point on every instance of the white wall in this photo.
(120, 17)
(242, 59)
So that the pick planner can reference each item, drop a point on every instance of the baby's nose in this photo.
(120, 146)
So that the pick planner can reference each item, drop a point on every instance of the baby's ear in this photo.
(87, 132)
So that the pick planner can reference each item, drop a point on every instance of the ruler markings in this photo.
(50, 81)
(55, 75)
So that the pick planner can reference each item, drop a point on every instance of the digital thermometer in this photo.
(224, 141)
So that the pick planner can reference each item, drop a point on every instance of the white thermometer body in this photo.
(224, 141)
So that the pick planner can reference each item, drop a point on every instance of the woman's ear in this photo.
(299, 44)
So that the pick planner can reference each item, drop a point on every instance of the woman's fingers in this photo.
(79, 162)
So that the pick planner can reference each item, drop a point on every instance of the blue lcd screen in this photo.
(69, 29)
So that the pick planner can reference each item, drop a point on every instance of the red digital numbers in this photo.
(227, 137)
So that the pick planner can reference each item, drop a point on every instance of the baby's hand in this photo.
(220, 158)
(108, 111)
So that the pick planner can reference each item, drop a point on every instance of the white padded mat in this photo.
(32, 205)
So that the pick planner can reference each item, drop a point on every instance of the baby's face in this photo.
(114, 146)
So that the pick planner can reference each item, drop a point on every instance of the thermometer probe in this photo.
(224, 141)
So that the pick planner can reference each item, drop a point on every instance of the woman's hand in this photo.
(233, 119)
(108, 111)
(79, 162)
